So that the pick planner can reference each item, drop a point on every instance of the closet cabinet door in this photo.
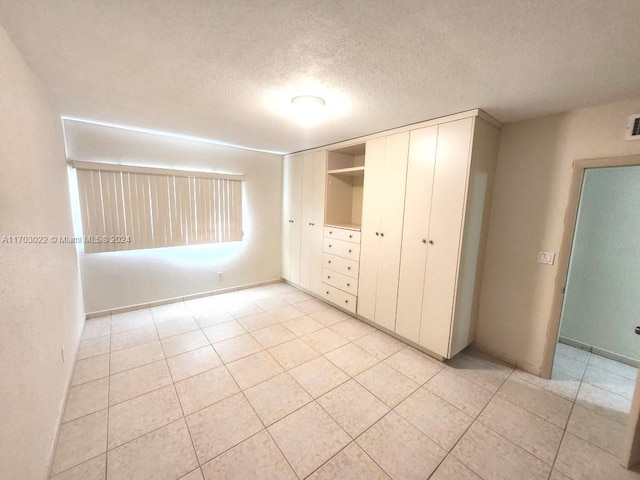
(383, 205)
(291, 212)
(313, 191)
(445, 230)
(393, 194)
(370, 230)
(415, 231)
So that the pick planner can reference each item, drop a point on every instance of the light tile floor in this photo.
(269, 383)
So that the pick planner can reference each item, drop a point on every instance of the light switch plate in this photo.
(546, 258)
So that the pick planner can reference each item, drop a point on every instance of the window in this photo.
(127, 208)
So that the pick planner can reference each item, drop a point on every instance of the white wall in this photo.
(529, 201)
(117, 279)
(40, 298)
(601, 304)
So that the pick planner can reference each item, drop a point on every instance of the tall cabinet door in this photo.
(393, 193)
(383, 204)
(445, 231)
(370, 229)
(291, 216)
(415, 231)
(313, 192)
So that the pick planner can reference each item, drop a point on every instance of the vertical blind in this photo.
(127, 208)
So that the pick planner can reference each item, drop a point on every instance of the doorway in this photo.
(596, 301)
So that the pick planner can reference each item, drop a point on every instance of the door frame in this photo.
(631, 453)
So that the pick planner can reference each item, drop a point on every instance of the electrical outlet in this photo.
(220, 275)
(546, 258)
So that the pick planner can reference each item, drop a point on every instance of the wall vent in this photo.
(633, 128)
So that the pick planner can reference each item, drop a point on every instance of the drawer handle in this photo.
(330, 232)
(327, 293)
(350, 236)
(348, 284)
(329, 261)
(346, 301)
(329, 245)
(348, 268)
(328, 276)
(349, 250)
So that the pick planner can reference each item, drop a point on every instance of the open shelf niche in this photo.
(345, 179)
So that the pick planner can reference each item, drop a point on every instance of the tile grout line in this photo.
(475, 419)
(175, 391)
(106, 453)
(564, 430)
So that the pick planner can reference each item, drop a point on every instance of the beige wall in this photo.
(40, 300)
(116, 279)
(529, 201)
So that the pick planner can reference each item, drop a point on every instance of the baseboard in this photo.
(168, 301)
(600, 351)
(54, 445)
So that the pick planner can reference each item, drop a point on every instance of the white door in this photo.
(313, 192)
(287, 192)
(306, 228)
(295, 215)
(392, 212)
(445, 230)
(370, 230)
(415, 231)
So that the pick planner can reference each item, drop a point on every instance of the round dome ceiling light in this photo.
(308, 102)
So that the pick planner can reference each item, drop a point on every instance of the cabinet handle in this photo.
(430, 242)
(381, 234)
(313, 224)
(330, 232)
(348, 268)
(350, 236)
(348, 284)
(327, 293)
(290, 221)
(349, 250)
(328, 261)
(377, 234)
(346, 301)
(329, 245)
(328, 276)
(424, 240)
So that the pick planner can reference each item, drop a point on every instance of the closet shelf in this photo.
(347, 172)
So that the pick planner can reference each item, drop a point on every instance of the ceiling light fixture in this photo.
(308, 102)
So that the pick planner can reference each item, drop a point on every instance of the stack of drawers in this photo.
(340, 266)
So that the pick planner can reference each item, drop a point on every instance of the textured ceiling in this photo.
(218, 69)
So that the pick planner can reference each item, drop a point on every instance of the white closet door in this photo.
(306, 225)
(296, 217)
(445, 229)
(287, 193)
(392, 212)
(319, 163)
(415, 231)
(370, 239)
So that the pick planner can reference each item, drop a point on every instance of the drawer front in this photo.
(338, 280)
(340, 265)
(342, 249)
(338, 297)
(342, 234)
